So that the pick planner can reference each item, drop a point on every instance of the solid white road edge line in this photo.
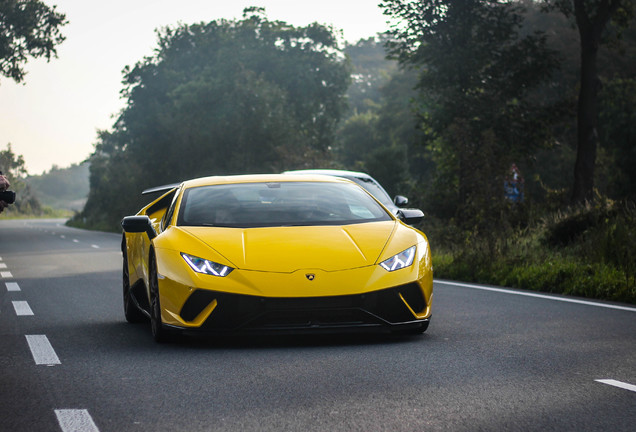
(542, 296)
(22, 308)
(12, 286)
(42, 351)
(618, 384)
(75, 420)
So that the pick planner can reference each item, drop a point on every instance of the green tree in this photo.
(238, 96)
(476, 69)
(28, 28)
(616, 61)
(380, 137)
(388, 165)
(356, 138)
(592, 18)
(224, 97)
(371, 71)
(617, 133)
(397, 127)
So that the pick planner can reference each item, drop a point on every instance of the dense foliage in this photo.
(591, 18)
(224, 97)
(379, 135)
(28, 28)
(477, 71)
(587, 251)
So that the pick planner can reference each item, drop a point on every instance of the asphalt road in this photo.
(491, 360)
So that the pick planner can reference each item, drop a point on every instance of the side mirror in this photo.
(138, 224)
(400, 201)
(410, 216)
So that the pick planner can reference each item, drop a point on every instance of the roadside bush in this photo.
(588, 251)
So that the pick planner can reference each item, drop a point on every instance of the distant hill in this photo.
(62, 188)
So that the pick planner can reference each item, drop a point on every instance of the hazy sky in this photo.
(54, 116)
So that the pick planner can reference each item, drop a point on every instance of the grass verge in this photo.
(589, 251)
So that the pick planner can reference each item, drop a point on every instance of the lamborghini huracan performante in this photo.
(274, 253)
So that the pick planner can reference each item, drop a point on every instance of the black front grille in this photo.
(236, 312)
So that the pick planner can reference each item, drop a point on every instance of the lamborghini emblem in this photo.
(310, 276)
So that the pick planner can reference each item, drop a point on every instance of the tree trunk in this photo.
(590, 30)
(587, 121)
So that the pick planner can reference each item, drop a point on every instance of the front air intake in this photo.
(235, 311)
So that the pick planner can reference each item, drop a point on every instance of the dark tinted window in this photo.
(278, 204)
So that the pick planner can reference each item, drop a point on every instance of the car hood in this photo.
(287, 249)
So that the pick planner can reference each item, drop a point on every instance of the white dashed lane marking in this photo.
(12, 286)
(75, 420)
(70, 420)
(42, 351)
(22, 308)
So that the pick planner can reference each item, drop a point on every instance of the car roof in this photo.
(330, 172)
(261, 178)
(249, 178)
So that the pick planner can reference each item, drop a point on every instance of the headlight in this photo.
(201, 265)
(399, 261)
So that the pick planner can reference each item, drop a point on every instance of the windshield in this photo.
(246, 205)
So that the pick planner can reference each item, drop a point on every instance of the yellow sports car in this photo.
(274, 253)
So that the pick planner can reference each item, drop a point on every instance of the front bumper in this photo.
(250, 301)
(389, 309)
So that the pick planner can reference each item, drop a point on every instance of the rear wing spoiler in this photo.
(158, 189)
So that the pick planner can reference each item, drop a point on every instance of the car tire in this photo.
(131, 312)
(159, 333)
